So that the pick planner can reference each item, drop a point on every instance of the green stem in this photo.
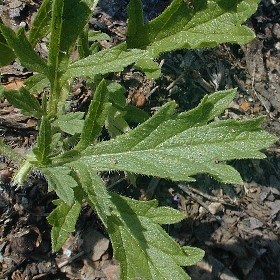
(23, 172)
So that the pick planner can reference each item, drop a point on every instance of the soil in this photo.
(238, 226)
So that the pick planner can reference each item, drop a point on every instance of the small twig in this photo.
(151, 92)
(153, 185)
(148, 194)
(70, 259)
(186, 189)
(195, 198)
(210, 197)
(171, 85)
(115, 183)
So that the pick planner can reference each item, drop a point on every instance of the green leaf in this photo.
(36, 83)
(56, 54)
(70, 123)
(120, 113)
(6, 53)
(95, 117)
(63, 219)
(137, 33)
(150, 67)
(25, 101)
(140, 244)
(117, 94)
(103, 62)
(40, 26)
(195, 254)
(24, 50)
(144, 249)
(95, 191)
(83, 44)
(206, 24)
(177, 147)
(43, 150)
(171, 123)
(60, 181)
(97, 36)
(68, 20)
(115, 122)
(135, 114)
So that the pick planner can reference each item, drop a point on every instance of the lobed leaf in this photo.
(159, 148)
(60, 181)
(148, 134)
(95, 191)
(63, 220)
(144, 249)
(204, 24)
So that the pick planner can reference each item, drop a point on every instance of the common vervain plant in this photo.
(168, 145)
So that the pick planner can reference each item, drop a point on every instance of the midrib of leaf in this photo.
(180, 157)
(193, 141)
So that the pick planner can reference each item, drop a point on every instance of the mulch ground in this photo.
(238, 226)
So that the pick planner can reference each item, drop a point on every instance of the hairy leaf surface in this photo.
(63, 220)
(103, 62)
(70, 123)
(143, 248)
(96, 116)
(203, 24)
(60, 181)
(95, 191)
(68, 20)
(140, 244)
(160, 148)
